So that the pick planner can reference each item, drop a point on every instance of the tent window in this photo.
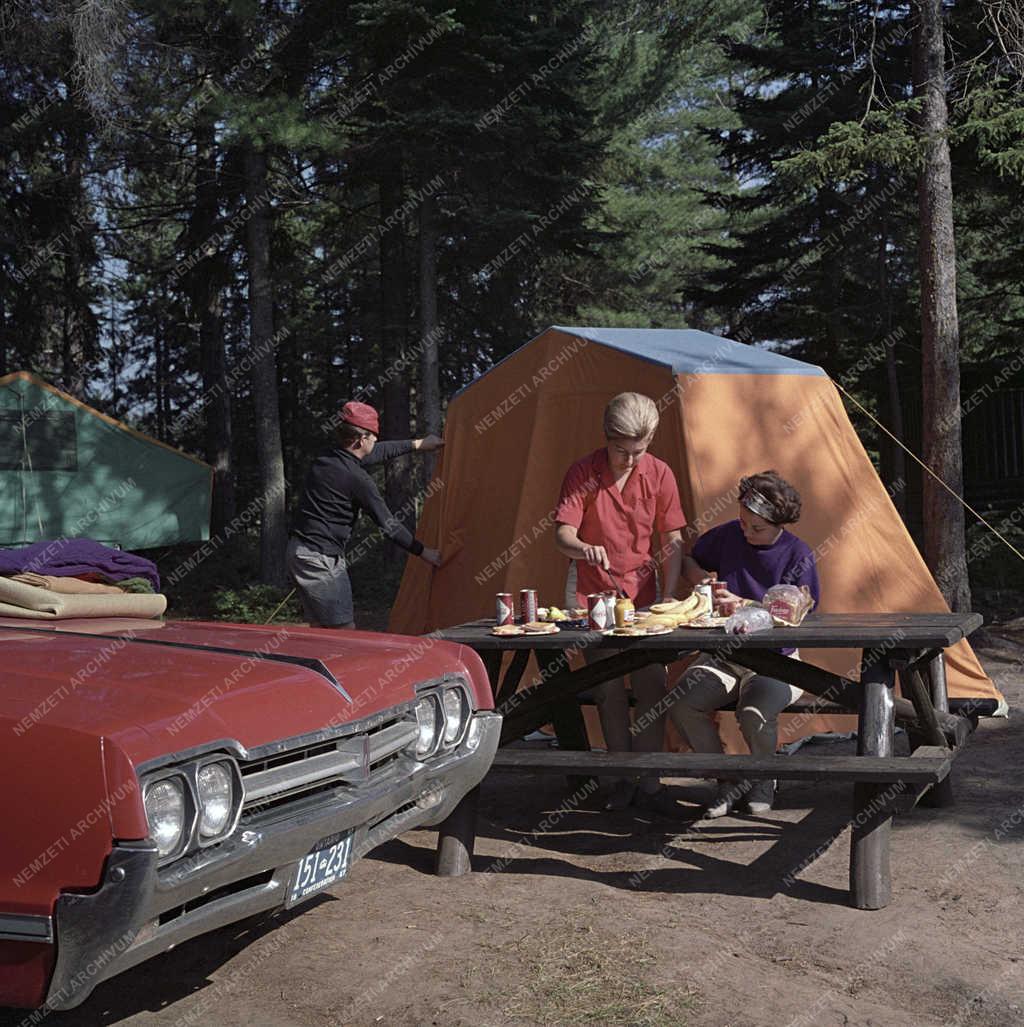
(43, 441)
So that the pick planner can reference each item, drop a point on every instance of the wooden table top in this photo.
(890, 631)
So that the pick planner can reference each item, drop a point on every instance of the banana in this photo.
(700, 608)
(680, 611)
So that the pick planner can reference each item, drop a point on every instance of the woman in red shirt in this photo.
(612, 503)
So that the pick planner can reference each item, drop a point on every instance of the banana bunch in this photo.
(680, 611)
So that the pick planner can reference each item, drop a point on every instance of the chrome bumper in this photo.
(137, 913)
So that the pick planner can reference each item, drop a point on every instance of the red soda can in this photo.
(597, 612)
(506, 612)
(528, 604)
(609, 602)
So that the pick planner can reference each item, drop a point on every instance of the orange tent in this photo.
(727, 409)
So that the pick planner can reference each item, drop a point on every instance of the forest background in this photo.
(220, 220)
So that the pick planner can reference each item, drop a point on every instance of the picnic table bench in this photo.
(906, 644)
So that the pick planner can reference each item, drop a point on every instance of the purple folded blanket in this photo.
(71, 557)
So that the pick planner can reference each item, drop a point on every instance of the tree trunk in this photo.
(206, 292)
(76, 346)
(429, 415)
(160, 378)
(897, 464)
(273, 528)
(394, 322)
(944, 548)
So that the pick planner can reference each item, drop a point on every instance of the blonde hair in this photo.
(630, 415)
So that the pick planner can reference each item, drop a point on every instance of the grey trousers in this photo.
(322, 584)
(709, 684)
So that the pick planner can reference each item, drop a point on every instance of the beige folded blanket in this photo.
(20, 600)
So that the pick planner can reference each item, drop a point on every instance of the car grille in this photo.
(292, 775)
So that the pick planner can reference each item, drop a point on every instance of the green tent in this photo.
(66, 470)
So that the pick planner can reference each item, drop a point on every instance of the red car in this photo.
(165, 779)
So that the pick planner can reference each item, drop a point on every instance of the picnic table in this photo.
(906, 644)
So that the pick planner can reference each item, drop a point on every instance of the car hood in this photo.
(156, 687)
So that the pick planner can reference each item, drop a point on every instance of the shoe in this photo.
(660, 803)
(622, 794)
(761, 796)
(720, 806)
(728, 794)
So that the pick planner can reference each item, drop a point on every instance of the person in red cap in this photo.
(336, 489)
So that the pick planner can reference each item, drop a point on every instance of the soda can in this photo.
(609, 605)
(705, 591)
(528, 604)
(506, 612)
(597, 612)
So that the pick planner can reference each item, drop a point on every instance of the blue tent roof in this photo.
(684, 350)
(688, 351)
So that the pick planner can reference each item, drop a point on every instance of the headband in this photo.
(755, 502)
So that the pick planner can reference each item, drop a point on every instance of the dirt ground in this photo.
(647, 917)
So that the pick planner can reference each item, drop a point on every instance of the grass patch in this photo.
(571, 973)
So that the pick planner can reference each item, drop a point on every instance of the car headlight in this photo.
(216, 798)
(165, 812)
(426, 723)
(453, 714)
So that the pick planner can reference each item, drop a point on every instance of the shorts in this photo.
(322, 583)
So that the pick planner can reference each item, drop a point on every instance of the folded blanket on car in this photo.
(78, 556)
(20, 600)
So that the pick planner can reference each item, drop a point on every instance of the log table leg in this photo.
(937, 678)
(457, 836)
(941, 794)
(870, 883)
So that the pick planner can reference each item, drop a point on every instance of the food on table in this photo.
(505, 611)
(638, 631)
(507, 630)
(681, 611)
(597, 612)
(707, 621)
(537, 627)
(705, 590)
(788, 604)
(749, 619)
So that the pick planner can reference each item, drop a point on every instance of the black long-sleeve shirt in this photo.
(337, 487)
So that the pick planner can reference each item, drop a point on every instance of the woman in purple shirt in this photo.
(749, 555)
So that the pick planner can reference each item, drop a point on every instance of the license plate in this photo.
(319, 869)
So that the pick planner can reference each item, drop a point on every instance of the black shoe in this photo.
(726, 797)
(761, 797)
